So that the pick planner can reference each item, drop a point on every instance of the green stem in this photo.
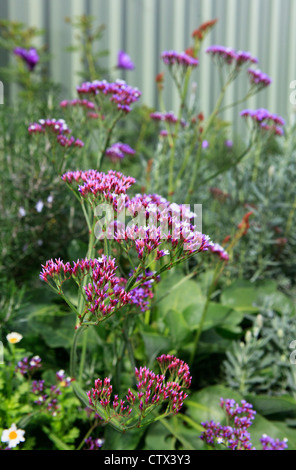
(256, 162)
(108, 137)
(77, 333)
(232, 164)
(183, 95)
(203, 134)
(87, 435)
(83, 356)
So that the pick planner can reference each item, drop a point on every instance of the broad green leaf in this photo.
(155, 344)
(270, 405)
(178, 328)
(180, 297)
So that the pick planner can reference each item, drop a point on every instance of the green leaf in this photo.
(269, 405)
(155, 343)
(178, 327)
(60, 445)
(186, 294)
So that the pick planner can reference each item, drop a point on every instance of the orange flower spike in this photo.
(159, 79)
(203, 29)
(245, 223)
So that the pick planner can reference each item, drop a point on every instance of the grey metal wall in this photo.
(145, 28)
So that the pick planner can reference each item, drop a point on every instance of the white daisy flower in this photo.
(13, 436)
(14, 337)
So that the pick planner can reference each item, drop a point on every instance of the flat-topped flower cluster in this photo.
(119, 92)
(152, 390)
(58, 128)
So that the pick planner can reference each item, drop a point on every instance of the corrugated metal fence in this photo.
(145, 28)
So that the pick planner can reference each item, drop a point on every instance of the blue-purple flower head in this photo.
(124, 61)
(118, 151)
(266, 120)
(179, 58)
(119, 92)
(30, 56)
(229, 56)
(258, 78)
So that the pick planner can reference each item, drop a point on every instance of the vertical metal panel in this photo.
(145, 28)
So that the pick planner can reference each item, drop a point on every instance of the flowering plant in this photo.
(141, 284)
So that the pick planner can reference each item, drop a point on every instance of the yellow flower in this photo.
(13, 436)
(13, 337)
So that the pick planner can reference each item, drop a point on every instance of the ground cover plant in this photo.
(147, 258)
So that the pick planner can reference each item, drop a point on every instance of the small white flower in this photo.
(50, 199)
(14, 337)
(220, 440)
(22, 212)
(13, 436)
(39, 206)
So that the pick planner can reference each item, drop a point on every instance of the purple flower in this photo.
(124, 61)
(265, 120)
(30, 56)
(183, 59)
(273, 444)
(228, 56)
(119, 92)
(118, 151)
(57, 127)
(258, 78)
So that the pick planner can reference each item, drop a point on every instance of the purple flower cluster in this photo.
(93, 444)
(219, 250)
(58, 128)
(163, 228)
(37, 386)
(30, 56)
(166, 117)
(152, 390)
(258, 78)
(273, 444)
(235, 435)
(100, 186)
(265, 120)
(77, 102)
(118, 151)
(104, 294)
(48, 399)
(230, 56)
(26, 366)
(141, 296)
(120, 93)
(179, 58)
